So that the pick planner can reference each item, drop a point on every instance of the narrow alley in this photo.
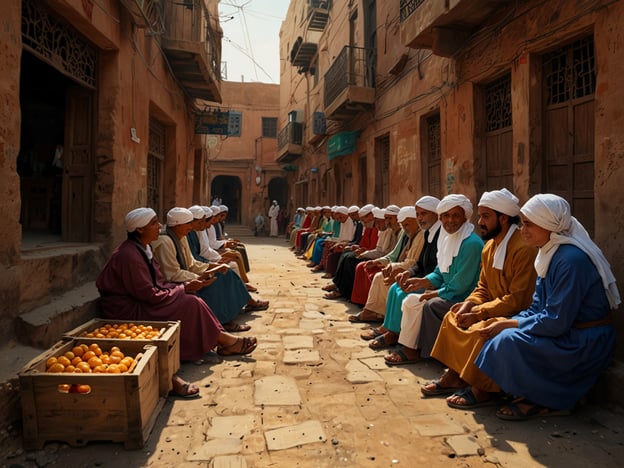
(314, 395)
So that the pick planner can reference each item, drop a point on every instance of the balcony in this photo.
(348, 84)
(192, 48)
(444, 26)
(305, 47)
(289, 141)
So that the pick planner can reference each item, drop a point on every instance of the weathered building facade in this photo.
(241, 167)
(98, 117)
(400, 99)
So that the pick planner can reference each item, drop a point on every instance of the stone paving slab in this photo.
(464, 445)
(229, 461)
(276, 390)
(231, 426)
(434, 425)
(311, 324)
(291, 436)
(358, 373)
(298, 342)
(301, 356)
(213, 448)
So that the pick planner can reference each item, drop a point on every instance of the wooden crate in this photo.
(168, 344)
(119, 408)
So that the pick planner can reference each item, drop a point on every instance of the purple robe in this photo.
(133, 288)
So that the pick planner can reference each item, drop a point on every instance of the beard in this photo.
(492, 233)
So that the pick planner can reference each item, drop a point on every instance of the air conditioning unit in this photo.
(295, 115)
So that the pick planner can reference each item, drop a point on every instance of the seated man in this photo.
(551, 354)
(388, 334)
(413, 242)
(366, 271)
(506, 285)
(227, 296)
(133, 288)
(459, 262)
(218, 239)
(342, 283)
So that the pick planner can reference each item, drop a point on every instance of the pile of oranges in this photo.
(124, 331)
(90, 358)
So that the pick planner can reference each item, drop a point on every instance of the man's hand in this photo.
(414, 284)
(197, 284)
(402, 278)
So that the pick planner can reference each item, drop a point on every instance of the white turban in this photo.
(552, 213)
(451, 201)
(428, 203)
(366, 209)
(502, 201)
(224, 208)
(353, 209)
(341, 210)
(406, 212)
(379, 213)
(138, 218)
(198, 212)
(326, 207)
(208, 211)
(178, 215)
(392, 210)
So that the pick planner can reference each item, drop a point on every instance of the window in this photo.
(235, 123)
(269, 127)
(432, 156)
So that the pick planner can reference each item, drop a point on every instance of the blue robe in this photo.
(547, 359)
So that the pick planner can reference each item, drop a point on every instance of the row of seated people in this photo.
(155, 275)
(525, 315)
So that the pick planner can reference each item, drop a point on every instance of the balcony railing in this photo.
(444, 26)
(407, 7)
(349, 83)
(192, 49)
(289, 141)
(318, 14)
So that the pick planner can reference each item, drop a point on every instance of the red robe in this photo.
(133, 288)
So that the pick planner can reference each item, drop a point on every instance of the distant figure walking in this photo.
(273, 213)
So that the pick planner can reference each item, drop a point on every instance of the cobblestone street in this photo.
(314, 395)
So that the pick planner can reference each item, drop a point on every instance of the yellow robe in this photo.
(499, 294)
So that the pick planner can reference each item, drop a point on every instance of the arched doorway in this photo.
(228, 189)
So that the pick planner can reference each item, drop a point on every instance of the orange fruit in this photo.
(69, 355)
(78, 370)
(83, 388)
(84, 367)
(94, 362)
(50, 362)
(69, 368)
(56, 367)
(105, 359)
(113, 369)
(63, 360)
(64, 388)
(123, 368)
(88, 355)
(115, 349)
(76, 360)
(78, 350)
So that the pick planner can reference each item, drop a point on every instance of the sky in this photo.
(250, 45)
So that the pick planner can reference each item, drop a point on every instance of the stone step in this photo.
(45, 325)
(238, 231)
(54, 268)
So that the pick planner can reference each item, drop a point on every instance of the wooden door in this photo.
(569, 81)
(77, 166)
(498, 135)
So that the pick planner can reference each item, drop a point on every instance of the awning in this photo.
(341, 144)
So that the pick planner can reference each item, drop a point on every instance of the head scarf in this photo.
(342, 210)
(353, 209)
(198, 212)
(552, 213)
(428, 203)
(208, 211)
(507, 203)
(379, 213)
(178, 215)
(449, 244)
(502, 201)
(138, 218)
(392, 210)
(366, 209)
(406, 212)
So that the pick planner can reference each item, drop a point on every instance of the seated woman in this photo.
(132, 287)
(550, 355)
